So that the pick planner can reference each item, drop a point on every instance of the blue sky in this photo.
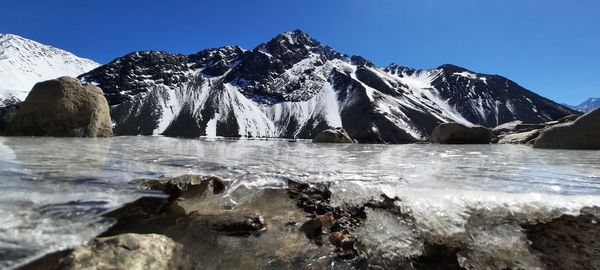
(551, 47)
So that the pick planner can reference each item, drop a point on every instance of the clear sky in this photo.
(549, 46)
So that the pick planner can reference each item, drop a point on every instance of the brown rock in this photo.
(326, 219)
(337, 238)
(129, 251)
(455, 133)
(63, 107)
(334, 135)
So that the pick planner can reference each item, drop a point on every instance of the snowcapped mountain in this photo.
(24, 62)
(293, 86)
(588, 105)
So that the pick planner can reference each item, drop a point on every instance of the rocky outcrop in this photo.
(335, 135)
(583, 133)
(63, 107)
(129, 251)
(517, 132)
(455, 133)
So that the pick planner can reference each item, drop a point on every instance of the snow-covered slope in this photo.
(588, 105)
(24, 62)
(293, 86)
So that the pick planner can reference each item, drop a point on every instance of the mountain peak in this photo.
(588, 105)
(286, 41)
(25, 62)
(452, 68)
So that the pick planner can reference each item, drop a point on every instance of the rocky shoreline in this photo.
(202, 223)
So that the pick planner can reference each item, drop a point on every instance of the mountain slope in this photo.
(24, 62)
(293, 86)
(588, 105)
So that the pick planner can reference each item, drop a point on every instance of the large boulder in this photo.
(129, 251)
(334, 135)
(455, 133)
(63, 107)
(583, 133)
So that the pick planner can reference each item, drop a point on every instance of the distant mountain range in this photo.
(588, 105)
(292, 86)
(24, 62)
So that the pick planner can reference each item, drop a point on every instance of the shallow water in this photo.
(52, 190)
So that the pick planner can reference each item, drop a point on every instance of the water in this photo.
(52, 190)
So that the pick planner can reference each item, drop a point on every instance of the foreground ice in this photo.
(53, 189)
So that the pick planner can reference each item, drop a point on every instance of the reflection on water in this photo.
(53, 189)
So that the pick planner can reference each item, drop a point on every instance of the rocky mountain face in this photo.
(588, 105)
(25, 62)
(294, 87)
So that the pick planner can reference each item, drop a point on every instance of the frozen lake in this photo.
(53, 190)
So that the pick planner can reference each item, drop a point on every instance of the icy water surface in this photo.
(53, 190)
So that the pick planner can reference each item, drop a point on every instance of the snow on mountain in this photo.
(24, 62)
(293, 86)
(588, 105)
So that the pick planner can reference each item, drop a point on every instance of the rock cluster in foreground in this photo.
(197, 227)
(63, 107)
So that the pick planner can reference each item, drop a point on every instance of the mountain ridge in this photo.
(293, 86)
(588, 105)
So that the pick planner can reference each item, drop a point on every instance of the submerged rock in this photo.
(129, 251)
(230, 221)
(455, 133)
(583, 133)
(63, 107)
(334, 135)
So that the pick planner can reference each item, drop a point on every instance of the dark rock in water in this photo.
(129, 251)
(583, 133)
(145, 215)
(337, 135)
(312, 228)
(315, 226)
(455, 133)
(63, 107)
(8, 109)
(568, 242)
(230, 221)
